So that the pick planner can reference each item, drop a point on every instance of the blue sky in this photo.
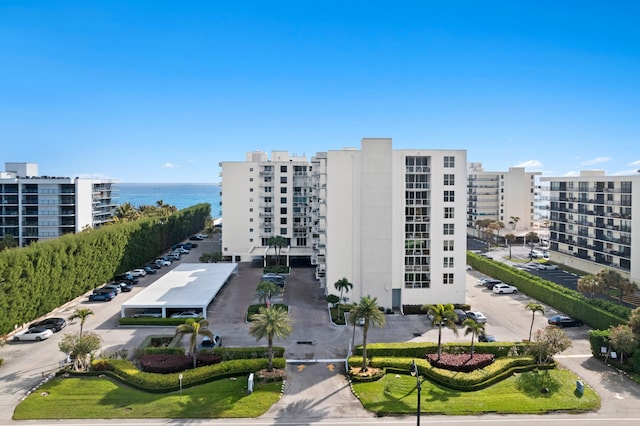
(160, 91)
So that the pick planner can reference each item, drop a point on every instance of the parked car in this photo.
(36, 333)
(538, 254)
(126, 277)
(486, 338)
(272, 275)
(564, 321)
(125, 287)
(360, 322)
(150, 269)
(115, 288)
(172, 257)
(461, 315)
(189, 246)
(476, 316)
(547, 266)
(490, 284)
(181, 250)
(162, 262)
(504, 289)
(105, 296)
(138, 272)
(148, 313)
(187, 314)
(208, 343)
(53, 324)
(279, 281)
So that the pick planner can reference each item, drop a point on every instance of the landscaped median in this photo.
(512, 384)
(116, 388)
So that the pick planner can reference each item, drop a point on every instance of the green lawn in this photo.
(103, 398)
(519, 394)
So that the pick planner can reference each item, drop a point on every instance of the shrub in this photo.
(165, 363)
(462, 362)
(277, 269)
(332, 298)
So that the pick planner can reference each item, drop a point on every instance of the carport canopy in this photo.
(188, 287)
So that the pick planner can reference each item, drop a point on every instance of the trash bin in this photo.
(579, 387)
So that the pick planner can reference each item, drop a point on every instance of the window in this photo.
(268, 189)
(250, 229)
(447, 278)
(283, 179)
(250, 179)
(449, 179)
(283, 200)
(250, 189)
(268, 200)
(448, 245)
(283, 210)
(448, 262)
(283, 231)
(283, 221)
(449, 196)
(250, 209)
(449, 161)
(448, 229)
(283, 169)
(448, 212)
(283, 189)
(250, 219)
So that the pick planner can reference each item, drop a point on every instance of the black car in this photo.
(564, 321)
(486, 338)
(125, 287)
(128, 278)
(150, 270)
(53, 324)
(462, 315)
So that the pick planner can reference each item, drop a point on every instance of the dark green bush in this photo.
(420, 349)
(332, 298)
(277, 269)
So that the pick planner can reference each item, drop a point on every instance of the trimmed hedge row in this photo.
(128, 373)
(420, 349)
(45, 275)
(598, 314)
(501, 369)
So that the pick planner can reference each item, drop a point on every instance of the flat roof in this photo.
(187, 286)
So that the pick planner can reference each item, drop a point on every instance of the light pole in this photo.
(414, 372)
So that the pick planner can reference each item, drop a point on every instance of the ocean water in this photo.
(181, 195)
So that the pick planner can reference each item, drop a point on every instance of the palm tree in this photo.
(590, 284)
(125, 212)
(496, 226)
(533, 307)
(510, 238)
(475, 329)
(342, 285)
(442, 314)
(270, 322)
(514, 221)
(193, 329)
(277, 242)
(367, 309)
(82, 315)
(266, 290)
(626, 287)
(609, 278)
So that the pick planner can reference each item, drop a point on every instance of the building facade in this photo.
(594, 222)
(264, 197)
(36, 208)
(508, 197)
(390, 221)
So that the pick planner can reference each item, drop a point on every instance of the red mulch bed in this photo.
(464, 363)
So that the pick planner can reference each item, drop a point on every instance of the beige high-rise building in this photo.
(390, 221)
(508, 197)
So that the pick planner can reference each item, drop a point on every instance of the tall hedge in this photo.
(36, 279)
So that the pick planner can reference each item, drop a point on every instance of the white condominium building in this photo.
(262, 198)
(508, 197)
(591, 222)
(390, 221)
(36, 208)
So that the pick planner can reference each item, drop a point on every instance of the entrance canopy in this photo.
(188, 287)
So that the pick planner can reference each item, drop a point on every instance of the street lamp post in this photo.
(414, 372)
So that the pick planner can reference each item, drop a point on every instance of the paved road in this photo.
(316, 391)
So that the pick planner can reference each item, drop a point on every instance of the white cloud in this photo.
(92, 176)
(594, 161)
(532, 164)
(634, 163)
(169, 166)
(625, 172)
(571, 174)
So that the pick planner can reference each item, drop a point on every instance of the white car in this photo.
(476, 316)
(504, 289)
(547, 266)
(187, 314)
(208, 343)
(138, 272)
(162, 262)
(37, 334)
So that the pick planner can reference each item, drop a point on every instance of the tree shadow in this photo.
(537, 383)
